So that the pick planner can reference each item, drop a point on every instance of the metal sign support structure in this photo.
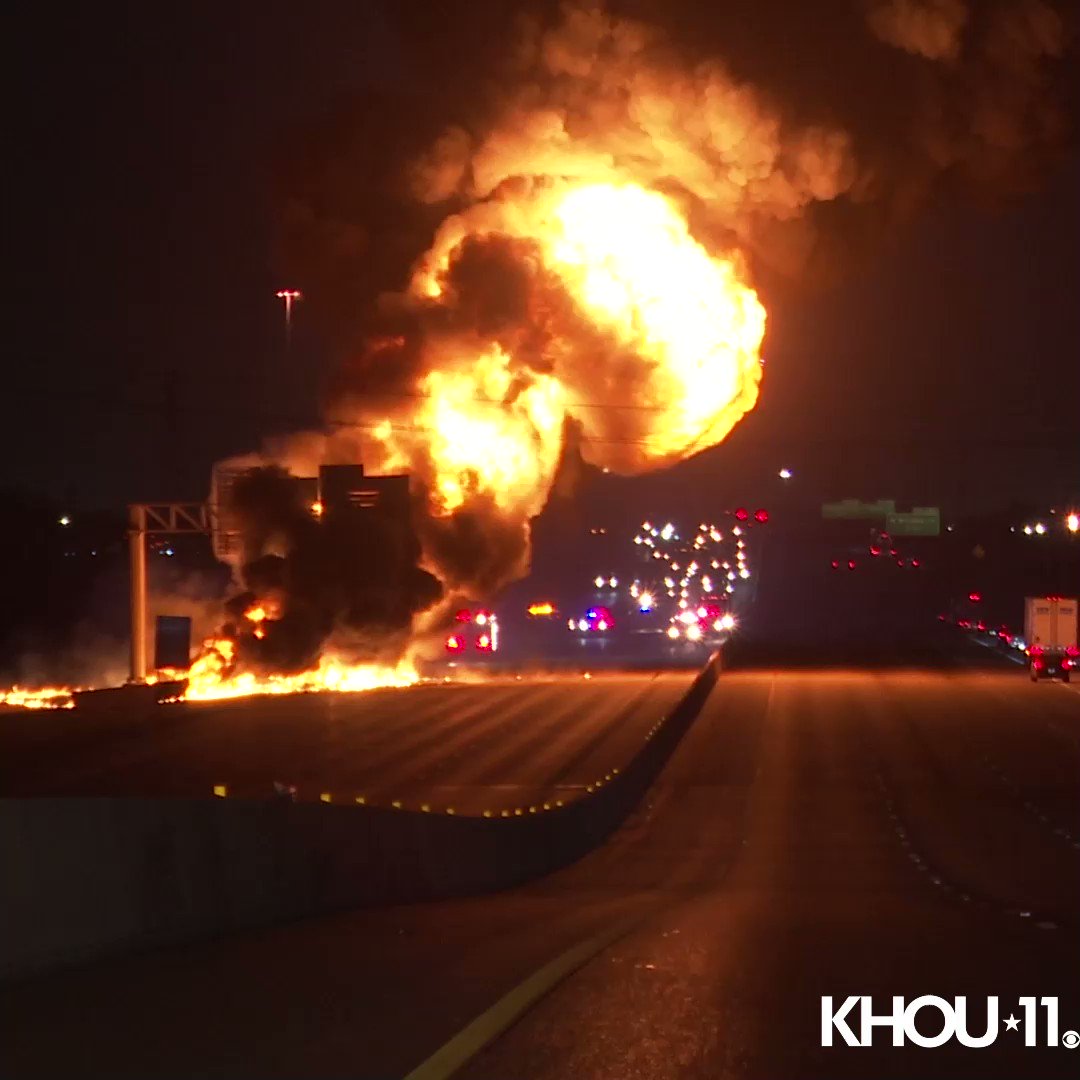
(153, 519)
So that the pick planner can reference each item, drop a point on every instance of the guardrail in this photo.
(89, 877)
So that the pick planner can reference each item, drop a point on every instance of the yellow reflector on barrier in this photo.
(220, 791)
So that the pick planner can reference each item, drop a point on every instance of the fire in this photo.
(44, 697)
(697, 326)
(662, 342)
(214, 676)
(590, 298)
(505, 451)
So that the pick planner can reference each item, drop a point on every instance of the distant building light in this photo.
(1040, 528)
(785, 474)
(65, 521)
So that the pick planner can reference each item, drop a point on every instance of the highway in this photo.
(899, 828)
(497, 742)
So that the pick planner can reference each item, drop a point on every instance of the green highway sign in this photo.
(922, 521)
(854, 510)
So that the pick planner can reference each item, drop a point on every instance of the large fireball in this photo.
(631, 329)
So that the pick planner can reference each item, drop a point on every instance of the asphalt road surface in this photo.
(492, 744)
(881, 830)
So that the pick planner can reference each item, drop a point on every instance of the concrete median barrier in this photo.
(90, 877)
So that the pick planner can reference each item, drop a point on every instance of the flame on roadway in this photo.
(212, 677)
(42, 697)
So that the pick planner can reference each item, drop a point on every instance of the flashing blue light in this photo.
(645, 608)
(591, 613)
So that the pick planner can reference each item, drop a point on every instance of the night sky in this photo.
(177, 164)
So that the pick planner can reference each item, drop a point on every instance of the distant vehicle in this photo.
(475, 631)
(595, 624)
(1050, 633)
(707, 622)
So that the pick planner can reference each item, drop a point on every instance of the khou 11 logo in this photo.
(855, 1022)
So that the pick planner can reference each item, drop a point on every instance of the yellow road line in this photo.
(489, 1025)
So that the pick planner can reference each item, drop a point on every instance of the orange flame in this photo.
(43, 697)
(213, 676)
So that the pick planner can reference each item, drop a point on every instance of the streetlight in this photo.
(785, 474)
(1072, 522)
(289, 296)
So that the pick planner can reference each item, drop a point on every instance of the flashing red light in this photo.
(941, 618)
(1036, 650)
(894, 552)
(483, 643)
(464, 615)
(915, 562)
(761, 516)
(875, 551)
(742, 514)
(1072, 650)
(981, 625)
(1037, 664)
(851, 564)
(975, 597)
(836, 564)
(899, 562)
(1066, 664)
(454, 643)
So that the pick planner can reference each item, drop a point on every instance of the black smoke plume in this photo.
(353, 574)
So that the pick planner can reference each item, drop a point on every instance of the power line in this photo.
(1044, 437)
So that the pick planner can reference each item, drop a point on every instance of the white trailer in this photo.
(1050, 633)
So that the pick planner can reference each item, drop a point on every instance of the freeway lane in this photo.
(471, 746)
(819, 831)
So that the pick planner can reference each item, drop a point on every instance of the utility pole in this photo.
(137, 564)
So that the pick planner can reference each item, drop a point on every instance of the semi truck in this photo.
(1050, 633)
